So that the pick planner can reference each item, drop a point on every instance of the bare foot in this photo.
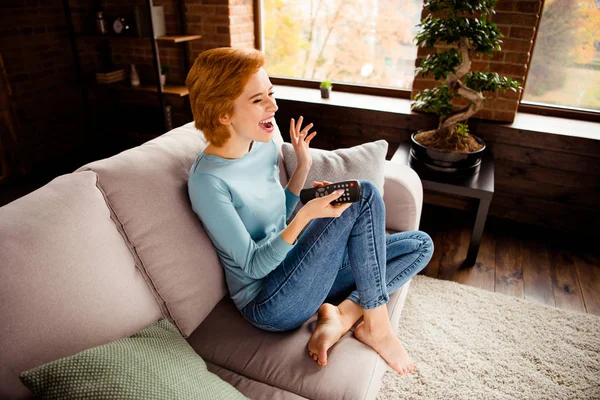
(330, 328)
(389, 347)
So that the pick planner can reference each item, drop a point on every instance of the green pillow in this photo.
(155, 363)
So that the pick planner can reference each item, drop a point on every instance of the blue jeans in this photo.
(349, 256)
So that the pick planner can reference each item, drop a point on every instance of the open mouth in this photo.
(267, 124)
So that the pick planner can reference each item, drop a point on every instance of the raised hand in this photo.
(301, 142)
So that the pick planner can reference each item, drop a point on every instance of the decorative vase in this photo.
(325, 92)
(163, 79)
(424, 158)
(135, 78)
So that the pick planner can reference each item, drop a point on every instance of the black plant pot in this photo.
(424, 158)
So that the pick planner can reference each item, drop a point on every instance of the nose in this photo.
(272, 106)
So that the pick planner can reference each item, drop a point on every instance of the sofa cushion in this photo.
(281, 360)
(155, 363)
(365, 161)
(67, 278)
(147, 189)
(254, 389)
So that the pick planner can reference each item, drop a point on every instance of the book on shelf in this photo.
(110, 76)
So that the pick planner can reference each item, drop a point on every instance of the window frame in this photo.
(523, 106)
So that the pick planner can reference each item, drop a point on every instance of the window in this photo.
(565, 65)
(364, 42)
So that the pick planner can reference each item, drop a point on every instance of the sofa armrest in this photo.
(403, 197)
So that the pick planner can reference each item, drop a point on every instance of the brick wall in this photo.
(40, 71)
(219, 22)
(241, 19)
(517, 20)
(35, 46)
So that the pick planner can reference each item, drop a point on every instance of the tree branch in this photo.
(310, 36)
(465, 66)
(337, 12)
(454, 83)
(476, 99)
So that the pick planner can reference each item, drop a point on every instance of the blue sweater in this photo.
(243, 208)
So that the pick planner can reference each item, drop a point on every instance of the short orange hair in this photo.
(215, 81)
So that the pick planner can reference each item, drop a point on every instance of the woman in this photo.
(280, 274)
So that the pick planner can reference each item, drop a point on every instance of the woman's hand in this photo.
(301, 142)
(320, 208)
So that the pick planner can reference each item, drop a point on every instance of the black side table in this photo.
(479, 186)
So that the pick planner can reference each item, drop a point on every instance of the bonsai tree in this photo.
(462, 23)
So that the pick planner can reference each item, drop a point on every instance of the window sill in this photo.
(523, 121)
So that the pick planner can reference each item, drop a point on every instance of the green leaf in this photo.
(483, 35)
(461, 6)
(490, 81)
(438, 100)
(440, 64)
(462, 129)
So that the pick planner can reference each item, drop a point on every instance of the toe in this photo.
(323, 356)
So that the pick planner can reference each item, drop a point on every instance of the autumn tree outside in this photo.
(371, 42)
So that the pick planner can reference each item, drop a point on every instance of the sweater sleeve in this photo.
(212, 202)
(290, 203)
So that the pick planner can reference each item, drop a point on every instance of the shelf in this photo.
(166, 39)
(178, 90)
(178, 39)
(92, 35)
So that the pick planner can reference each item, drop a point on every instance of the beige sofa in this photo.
(109, 249)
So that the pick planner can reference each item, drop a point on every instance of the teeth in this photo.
(264, 121)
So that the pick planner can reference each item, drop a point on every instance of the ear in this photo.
(225, 119)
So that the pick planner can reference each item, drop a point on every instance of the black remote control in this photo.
(352, 192)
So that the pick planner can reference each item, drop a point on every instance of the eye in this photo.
(260, 100)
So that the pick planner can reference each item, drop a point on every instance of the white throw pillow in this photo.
(365, 161)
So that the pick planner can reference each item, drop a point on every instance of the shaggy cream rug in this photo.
(469, 343)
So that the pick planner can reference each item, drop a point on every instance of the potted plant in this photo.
(164, 69)
(325, 87)
(464, 23)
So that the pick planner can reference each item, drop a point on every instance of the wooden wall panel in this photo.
(544, 158)
(543, 179)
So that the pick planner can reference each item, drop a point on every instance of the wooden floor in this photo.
(547, 267)
(515, 259)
